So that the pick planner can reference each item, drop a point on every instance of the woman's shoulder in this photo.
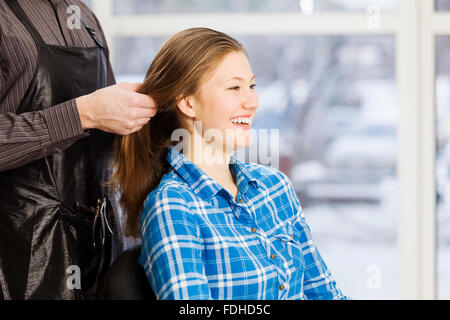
(171, 188)
(168, 204)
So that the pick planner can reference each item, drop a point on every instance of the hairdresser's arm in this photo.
(117, 109)
(171, 251)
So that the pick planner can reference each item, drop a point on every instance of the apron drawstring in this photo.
(100, 213)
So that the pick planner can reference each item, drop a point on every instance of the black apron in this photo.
(56, 220)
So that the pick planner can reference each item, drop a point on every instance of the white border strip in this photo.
(428, 214)
(408, 150)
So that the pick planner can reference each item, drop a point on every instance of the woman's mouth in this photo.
(241, 122)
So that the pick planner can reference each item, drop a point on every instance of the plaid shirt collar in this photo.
(201, 183)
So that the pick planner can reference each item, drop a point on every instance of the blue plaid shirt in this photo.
(199, 243)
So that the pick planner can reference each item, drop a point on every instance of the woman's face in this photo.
(227, 102)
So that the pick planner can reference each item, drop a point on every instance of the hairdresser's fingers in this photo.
(143, 101)
(141, 122)
(143, 113)
(132, 86)
(140, 126)
(135, 98)
(133, 127)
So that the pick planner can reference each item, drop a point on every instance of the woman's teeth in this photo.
(241, 120)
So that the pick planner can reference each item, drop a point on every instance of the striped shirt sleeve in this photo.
(33, 135)
(171, 250)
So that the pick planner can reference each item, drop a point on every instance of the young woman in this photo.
(218, 229)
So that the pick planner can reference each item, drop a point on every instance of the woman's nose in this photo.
(251, 100)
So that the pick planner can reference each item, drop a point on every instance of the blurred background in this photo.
(332, 91)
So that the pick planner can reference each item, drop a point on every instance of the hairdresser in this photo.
(59, 110)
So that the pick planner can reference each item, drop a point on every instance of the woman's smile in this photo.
(242, 122)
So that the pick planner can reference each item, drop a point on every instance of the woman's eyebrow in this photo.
(240, 79)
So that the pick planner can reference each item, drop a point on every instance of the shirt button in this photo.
(282, 287)
(292, 236)
(241, 201)
(273, 255)
(253, 229)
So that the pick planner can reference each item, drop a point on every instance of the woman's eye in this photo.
(236, 88)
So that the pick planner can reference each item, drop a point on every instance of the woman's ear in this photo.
(186, 107)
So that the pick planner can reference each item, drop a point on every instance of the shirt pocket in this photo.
(290, 238)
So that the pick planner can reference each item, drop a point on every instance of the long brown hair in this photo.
(177, 71)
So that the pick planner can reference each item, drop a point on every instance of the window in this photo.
(354, 103)
(443, 164)
(338, 93)
(442, 5)
(89, 3)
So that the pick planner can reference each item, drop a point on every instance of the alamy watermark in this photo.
(263, 144)
(373, 280)
(307, 7)
(74, 19)
(74, 279)
(373, 17)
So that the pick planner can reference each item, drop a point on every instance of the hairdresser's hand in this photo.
(117, 109)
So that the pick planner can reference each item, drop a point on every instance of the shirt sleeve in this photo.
(171, 251)
(318, 283)
(33, 135)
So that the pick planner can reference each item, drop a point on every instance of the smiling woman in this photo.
(217, 230)
(173, 80)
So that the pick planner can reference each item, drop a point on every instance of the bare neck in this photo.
(219, 170)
